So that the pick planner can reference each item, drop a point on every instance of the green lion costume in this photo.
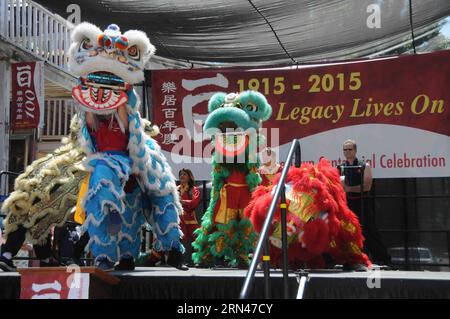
(225, 235)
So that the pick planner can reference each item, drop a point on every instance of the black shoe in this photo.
(175, 259)
(219, 262)
(329, 261)
(125, 263)
(6, 264)
(354, 267)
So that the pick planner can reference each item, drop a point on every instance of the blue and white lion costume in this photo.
(108, 64)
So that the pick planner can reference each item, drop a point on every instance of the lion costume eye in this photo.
(251, 107)
(85, 45)
(134, 52)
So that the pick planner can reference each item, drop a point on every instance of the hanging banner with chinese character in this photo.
(397, 110)
(27, 95)
(54, 285)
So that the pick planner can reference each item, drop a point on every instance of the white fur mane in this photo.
(82, 62)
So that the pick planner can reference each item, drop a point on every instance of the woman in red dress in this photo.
(190, 198)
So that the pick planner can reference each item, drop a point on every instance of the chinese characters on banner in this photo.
(398, 114)
(27, 95)
(169, 109)
(54, 285)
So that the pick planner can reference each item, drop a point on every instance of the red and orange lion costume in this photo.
(321, 228)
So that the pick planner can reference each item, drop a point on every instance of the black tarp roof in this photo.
(265, 32)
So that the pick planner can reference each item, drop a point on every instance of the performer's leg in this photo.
(104, 206)
(224, 240)
(44, 253)
(103, 244)
(245, 231)
(14, 241)
(247, 241)
(201, 255)
(224, 243)
(11, 247)
(78, 250)
(167, 230)
(129, 236)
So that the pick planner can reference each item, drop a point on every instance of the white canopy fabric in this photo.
(266, 32)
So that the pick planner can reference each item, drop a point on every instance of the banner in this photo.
(54, 285)
(27, 95)
(397, 110)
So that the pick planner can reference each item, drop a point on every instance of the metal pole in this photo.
(362, 194)
(257, 255)
(298, 154)
(266, 265)
(284, 241)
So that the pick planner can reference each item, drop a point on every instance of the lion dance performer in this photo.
(117, 169)
(322, 230)
(226, 236)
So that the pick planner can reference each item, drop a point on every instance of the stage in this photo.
(379, 284)
(169, 283)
